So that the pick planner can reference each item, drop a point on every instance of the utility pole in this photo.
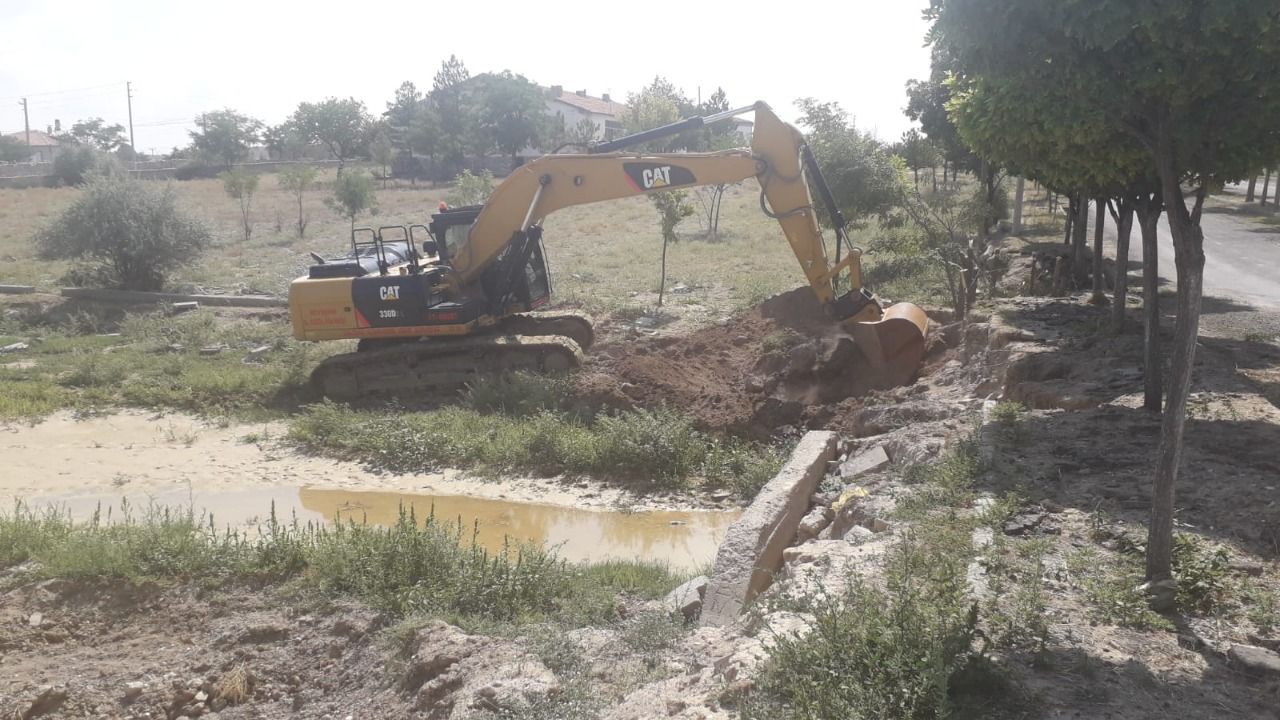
(26, 122)
(128, 89)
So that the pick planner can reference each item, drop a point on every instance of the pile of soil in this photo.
(781, 365)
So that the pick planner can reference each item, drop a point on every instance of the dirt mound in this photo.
(781, 364)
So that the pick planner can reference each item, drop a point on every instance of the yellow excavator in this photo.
(434, 306)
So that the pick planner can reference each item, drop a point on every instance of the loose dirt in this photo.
(779, 367)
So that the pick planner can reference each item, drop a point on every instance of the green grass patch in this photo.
(157, 362)
(659, 448)
(418, 566)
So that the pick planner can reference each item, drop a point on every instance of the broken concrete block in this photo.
(211, 350)
(257, 354)
(813, 523)
(751, 553)
(14, 347)
(867, 462)
(181, 307)
(687, 599)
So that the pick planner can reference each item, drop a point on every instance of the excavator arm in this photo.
(777, 160)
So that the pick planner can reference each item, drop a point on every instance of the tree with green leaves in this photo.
(225, 135)
(353, 195)
(862, 174)
(1192, 84)
(927, 104)
(510, 112)
(673, 207)
(917, 152)
(13, 150)
(658, 103)
(341, 126)
(296, 180)
(381, 151)
(453, 123)
(95, 132)
(240, 185)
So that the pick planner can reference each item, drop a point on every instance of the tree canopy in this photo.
(341, 126)
(225, 135)
(95, 132)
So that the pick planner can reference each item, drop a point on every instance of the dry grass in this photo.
(603, 257)
(236, 686)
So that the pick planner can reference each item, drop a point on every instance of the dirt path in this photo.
(143, 454)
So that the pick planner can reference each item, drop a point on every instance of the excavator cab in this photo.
(530, 289)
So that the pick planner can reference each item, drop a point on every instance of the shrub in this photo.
(128, 235)
(75, 163)
(471, 189)
(877, 652)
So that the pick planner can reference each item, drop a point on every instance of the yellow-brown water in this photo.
(684, 540)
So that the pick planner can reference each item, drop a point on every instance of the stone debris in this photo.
(47, 701)
(1255, 660)
(182, 307)
(257, 355)
(14, 347)
(212, 349)
(687, 599)
(815, 522)
(867, 462)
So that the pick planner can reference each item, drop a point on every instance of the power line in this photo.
(64, 92)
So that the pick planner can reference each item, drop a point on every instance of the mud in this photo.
(781, 366)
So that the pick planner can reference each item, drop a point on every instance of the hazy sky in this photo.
(71, 58)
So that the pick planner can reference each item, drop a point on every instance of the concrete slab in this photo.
(16, 289)
(751, 554)
(870, 461)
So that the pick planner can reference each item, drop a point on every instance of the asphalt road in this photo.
(1242, 256)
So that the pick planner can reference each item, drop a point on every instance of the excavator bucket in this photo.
(894, 345)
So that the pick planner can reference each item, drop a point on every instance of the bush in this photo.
(471, 189)
(875, 652)
(75, 163)
(129, 235)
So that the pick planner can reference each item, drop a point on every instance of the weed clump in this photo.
(529, 430)
(422, 566)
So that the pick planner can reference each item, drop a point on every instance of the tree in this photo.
(353, 194)
(74, 164)
(927, 104)
(297, 179)
(124, 234)
(655, 105)
(673, 207)
(95, 132)
(471, 189)
(510, 111)
(225, 135)
(452, 127)
(917, 152)
(381, 151)
(341, 126)
(13, 150)
(862, 174)
(1193, 85)
(240, 186)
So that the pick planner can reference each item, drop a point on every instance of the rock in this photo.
(866, 462)
(35, 619)
(814, 522)
(14, 347)
(1162, 596)
(1023, 523)
(1245, 567)
(49, 699)
(681, 289)
(133, 690)
(257, 354)
(1255, 660)
(721, 495)
(261, 634)
(687, 599)
(181, 307)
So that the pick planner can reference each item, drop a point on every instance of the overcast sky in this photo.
(71, 58)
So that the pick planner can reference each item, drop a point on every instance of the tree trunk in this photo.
(1124, 229)
(1188, 247)
(934, 174)
(1149, 210)
(917, 174)
(1071, 220)
(1019, 195)
(1253, 188)
(1099, 226)
(1080, 240)
(1266, 187)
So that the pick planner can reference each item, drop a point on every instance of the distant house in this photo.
(44, 147)
(744, 128)
(604, 114)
